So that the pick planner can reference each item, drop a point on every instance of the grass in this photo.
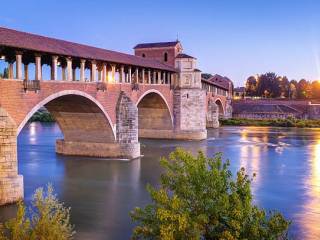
(289, 122)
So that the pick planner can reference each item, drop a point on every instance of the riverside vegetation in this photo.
(198, 198)
(42, 116)
(49, 220)
(289, 122)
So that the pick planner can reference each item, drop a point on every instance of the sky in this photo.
(233, 38)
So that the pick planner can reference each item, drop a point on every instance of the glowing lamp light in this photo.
(3, 57)
(110, 78)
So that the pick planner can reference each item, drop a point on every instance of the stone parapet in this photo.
(101, 150)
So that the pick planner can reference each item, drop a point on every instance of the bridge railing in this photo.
(31, 85)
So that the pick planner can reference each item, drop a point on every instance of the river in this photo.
(102, 192)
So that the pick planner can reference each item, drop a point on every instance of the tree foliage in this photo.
(269, 85)
(49, 220)
(199, 199)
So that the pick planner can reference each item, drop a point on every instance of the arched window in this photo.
(143, 55)
(165, 57)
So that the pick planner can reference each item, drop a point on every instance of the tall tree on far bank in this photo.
(251, 86)
(293, 89)
(303, 89)
(315, 89)
(268, 85)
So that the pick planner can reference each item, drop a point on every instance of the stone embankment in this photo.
(276, 109)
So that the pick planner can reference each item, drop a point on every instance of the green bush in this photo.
(49, 220)
(42, 116)
(199, 199)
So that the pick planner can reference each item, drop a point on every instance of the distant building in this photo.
(219, 85)
(165, 52)
(239, 93)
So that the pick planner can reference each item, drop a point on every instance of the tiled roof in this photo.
(183, 55)
(28, 41)
(157, 44)
(221, 81)
(218, 84)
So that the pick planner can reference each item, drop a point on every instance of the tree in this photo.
(268, 85)
(251, 86)
(302, 90)
(284, 85)
(199, 199)
(50, 220)
(315, 89)
(293, 92)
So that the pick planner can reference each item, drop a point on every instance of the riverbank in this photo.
(289, 122)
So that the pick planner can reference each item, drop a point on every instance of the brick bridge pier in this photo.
(102, 100)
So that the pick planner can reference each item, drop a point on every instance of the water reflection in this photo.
(310, 217)
(102, 193)
(250, 154)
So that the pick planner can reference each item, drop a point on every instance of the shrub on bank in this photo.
(42, 116)
(199, 199)
(49, 220)
(289, 122)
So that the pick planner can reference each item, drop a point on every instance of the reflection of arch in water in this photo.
(154, 112)
(79, 116)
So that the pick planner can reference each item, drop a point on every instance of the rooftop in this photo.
(157, 45)
(183, 55)
(27, 41)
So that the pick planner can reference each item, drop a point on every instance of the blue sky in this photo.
(234, 38)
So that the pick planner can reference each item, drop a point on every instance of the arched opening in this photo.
(165, 57)
(220, 107)
(80, 117)
(154, 117)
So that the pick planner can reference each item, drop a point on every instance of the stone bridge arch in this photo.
(220, 107)
(74, 110)
(154, 115)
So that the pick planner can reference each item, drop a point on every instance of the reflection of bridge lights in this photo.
(310, 215)
(315, 168)
(250, 156)
(33, 132)
(32, 129)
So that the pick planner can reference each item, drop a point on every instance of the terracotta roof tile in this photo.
(23, 40)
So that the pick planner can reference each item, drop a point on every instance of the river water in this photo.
(101, 193)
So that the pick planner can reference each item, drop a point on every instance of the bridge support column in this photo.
(69, 69)
(11, 184)
(54, 68)
(82, 66)
(189, 114)
(127, 127)
(18, 65)
(212, 115)
(38, 75)
(26, 71)
(91, 135)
